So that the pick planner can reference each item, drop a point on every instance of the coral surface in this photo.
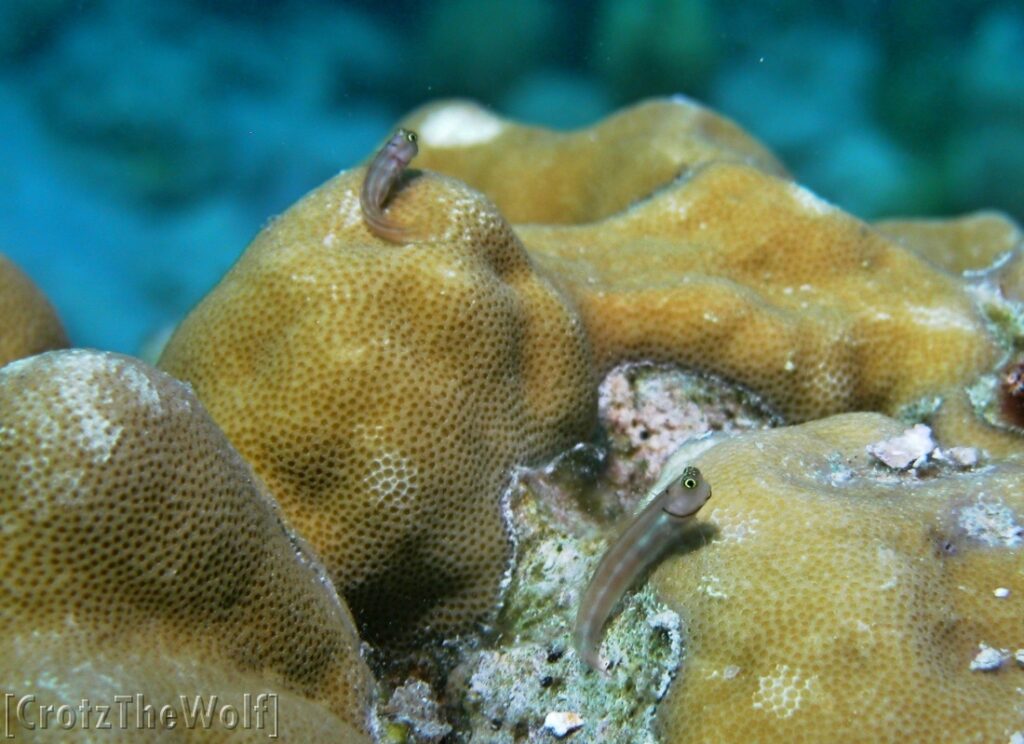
(740, 273)
(384, 392)
(971, 242)
(843, 596)
(28, 323)
(141, 555)
(539, 175)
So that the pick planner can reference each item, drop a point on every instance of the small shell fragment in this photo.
(911, 448)
(964, 457)
(1001, 592)
(989, 659)
(562, 723)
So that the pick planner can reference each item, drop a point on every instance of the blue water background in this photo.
(144, 142)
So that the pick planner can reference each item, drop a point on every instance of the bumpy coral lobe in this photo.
(140, 554)
(970, 242)
(384, 392)
(749, 276)
(841, 597)
(537, 175)
(28, 323)
(730, 269)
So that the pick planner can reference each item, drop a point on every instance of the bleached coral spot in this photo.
(459, 125)
(782, 692)
(139, 383)
(991, 522)
(81, 395)
(732, 525)
(809, 201)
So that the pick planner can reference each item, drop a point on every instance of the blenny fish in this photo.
(381, 176)
(677, 498)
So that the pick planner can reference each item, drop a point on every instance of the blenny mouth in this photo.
(681, 516)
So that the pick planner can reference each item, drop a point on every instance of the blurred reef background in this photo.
(145, 143)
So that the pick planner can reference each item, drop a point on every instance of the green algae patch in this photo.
(531, 674)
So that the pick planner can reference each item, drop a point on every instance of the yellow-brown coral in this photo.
(971, 242)
(28, 323)
(844, 599)
(749, 276)
(384, 392)
(538, 175)
(140, 555)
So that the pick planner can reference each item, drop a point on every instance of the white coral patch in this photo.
(80, 393)
(782, 692)
(459, 125)
(808, 200)
(711, 586)
(349, 210)
(393, 478)
(991, 522)
(138, 382)
(889, 565)
(733, 527)
(911, 447)
(941, 318)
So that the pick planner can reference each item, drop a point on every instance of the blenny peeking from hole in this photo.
(381, 176)
(656, 527)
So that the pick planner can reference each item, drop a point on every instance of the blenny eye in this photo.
(690, 483)
(410, 136)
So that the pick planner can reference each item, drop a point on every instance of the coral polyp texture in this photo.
(972, 242)
(28, 322)
(141, 555)
(842, 596)
(384, 392)
(743, 274)
(539, 175)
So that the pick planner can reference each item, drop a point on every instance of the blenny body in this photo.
(677, 499)
(381, 176)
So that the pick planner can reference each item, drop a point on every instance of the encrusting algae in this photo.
(675, 501)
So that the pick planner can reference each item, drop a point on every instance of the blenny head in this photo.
(403, 146)
(686, 495)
